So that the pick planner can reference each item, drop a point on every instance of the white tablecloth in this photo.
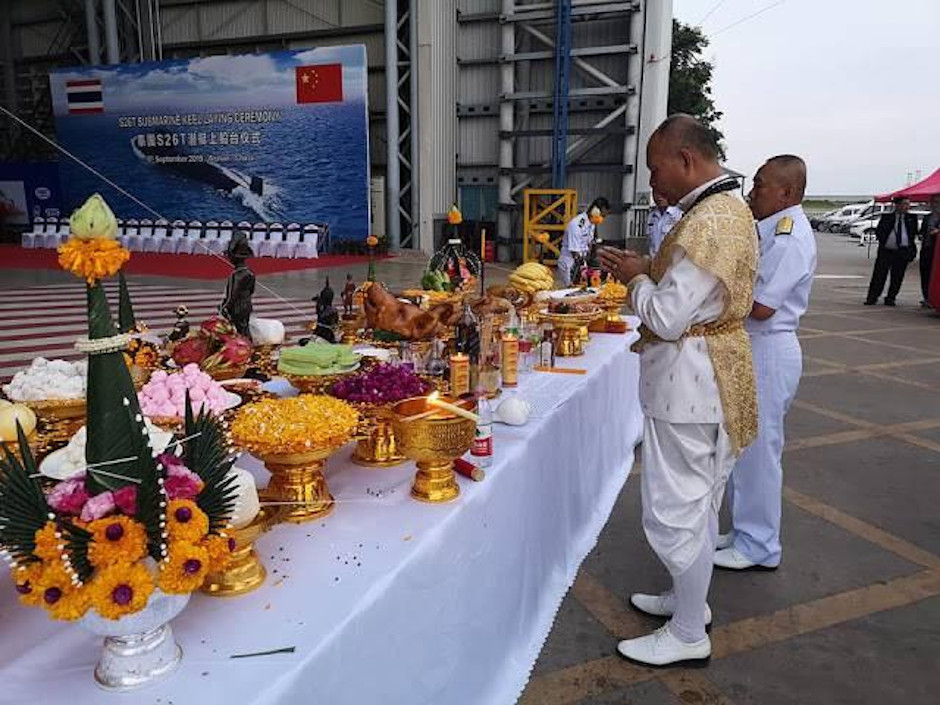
(389, 600)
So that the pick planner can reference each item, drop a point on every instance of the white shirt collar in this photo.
(685, 203)
(768, 225)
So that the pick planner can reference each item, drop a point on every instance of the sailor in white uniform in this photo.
(580, 234)
(781, 296)
(661, 220)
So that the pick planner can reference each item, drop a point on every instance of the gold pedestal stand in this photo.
(571, 328)
(378, 447)
(297, 485)
(434, 442)
(350, 325)
(245, 571)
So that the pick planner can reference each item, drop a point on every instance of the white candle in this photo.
(453, 409)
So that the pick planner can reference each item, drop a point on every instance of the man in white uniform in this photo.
(661, 220)
(696, 377)
(781, 296)
(579, 237)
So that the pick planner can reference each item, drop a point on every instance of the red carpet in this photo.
(189, 266)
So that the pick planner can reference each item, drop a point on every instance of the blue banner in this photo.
(29, 190)
(262, 137)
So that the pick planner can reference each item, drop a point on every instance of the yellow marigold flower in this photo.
(220, 548)
(47, 544)
(61, 598)
(27, 579)
(372, 241)
(92, 260)
(120, 589)
(185, 569)
(117, 539)
(454, 216)
(295, 425)
(185, 521)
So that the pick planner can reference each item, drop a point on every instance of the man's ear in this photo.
(688, 159)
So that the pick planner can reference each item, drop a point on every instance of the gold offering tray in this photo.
(572, 329)
(58, 409)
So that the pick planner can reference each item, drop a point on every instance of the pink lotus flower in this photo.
(126, 500)
(181, 482)
(98, 506)
(68, 497)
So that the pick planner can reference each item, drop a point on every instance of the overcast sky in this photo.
(852, 86)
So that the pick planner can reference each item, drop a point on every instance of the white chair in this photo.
(132, 235)
(148, 242)
(226, 231)
(193, 244)
(50, 236)
(268, 247)
(33, 238)
(211, 239)
(177, 237)
(309, 239)
(258, 233)
(161, 236)
(121, 234)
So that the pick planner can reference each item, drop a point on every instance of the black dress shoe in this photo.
(889, 303)
(869, 302)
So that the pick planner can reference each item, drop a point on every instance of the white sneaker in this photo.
(661, 648)
(725, 541)
(732, 559)
(661, 605)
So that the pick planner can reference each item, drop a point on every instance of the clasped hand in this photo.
(624, 265)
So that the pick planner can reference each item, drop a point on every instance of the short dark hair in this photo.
(600, 202)
(690, 133)
(897, 200)
(793, 169)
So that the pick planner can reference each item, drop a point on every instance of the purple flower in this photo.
(98, 506)
(68, 497)
(126, 500)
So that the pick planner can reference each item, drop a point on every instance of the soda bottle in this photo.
(482, 449)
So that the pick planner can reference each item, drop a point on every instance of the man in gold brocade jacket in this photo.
(696, 377)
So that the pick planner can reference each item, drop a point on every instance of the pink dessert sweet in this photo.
(165, 394)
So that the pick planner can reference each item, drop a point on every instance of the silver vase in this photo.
(138, 648)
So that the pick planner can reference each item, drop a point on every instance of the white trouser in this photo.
(685, 468)
(565, 263)
(754, 493)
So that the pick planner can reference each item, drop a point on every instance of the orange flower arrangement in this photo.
(120, 589)
(117, 539)
(185, 569)
(454, 216)
(92, 260)
(219, 548)
(372, 241)
(59, 596)
(185, 521)
(27, 579)
(47, 544)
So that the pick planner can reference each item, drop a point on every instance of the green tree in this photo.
(690, 78)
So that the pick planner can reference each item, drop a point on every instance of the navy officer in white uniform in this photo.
(580, 234)
(781, 297)
(661, 220)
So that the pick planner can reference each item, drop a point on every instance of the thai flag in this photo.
(84, 97)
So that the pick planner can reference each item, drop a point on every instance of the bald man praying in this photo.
(781, 297)
(697, 384)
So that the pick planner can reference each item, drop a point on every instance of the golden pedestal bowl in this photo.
(571, 328)
(297, 485)
(59, 409)
(377, 447)
(350, 324)
(613, 308)
(434, 442)
(244, 572)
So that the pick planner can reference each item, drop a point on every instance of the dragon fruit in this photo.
(217, 327)
(192, 349)
(236, 350)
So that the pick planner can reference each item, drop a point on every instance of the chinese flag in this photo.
(322, 83)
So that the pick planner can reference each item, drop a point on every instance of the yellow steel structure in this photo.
(546, 211)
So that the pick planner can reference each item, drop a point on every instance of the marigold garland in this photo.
(61, 598)
(92, 260)
(220, 548)
(27, 579)
(185, 569)
(121, 589)
(295, 424)
(47, 543)
(116, 539)
(185, 521)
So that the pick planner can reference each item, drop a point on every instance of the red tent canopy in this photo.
(921, 191)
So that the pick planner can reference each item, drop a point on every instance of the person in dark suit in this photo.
(928, 238)
(896, 233)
